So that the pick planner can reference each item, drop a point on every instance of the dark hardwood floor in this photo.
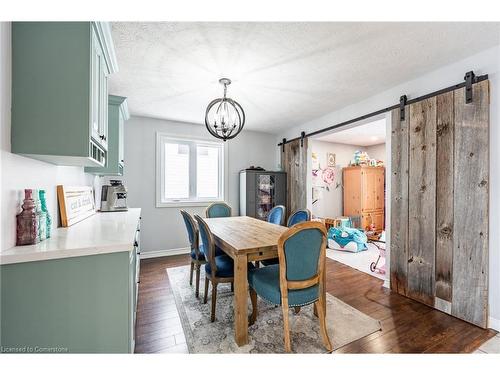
(407, 326)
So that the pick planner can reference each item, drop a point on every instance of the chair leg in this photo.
(315, 310)
(191, 273)
(296, 309)
(197, 293)
(232, 286)
(322, 325)
(214, 301)
(286, 327)
(206, 290)
(253, 298)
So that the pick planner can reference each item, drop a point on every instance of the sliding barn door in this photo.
(439, 203)
(294, 161)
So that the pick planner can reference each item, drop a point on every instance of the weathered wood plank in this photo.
(422, 201)
(399, 202)
(471, 198)
(294, 161)
(444, 200)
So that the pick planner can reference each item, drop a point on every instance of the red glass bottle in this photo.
(27, 230)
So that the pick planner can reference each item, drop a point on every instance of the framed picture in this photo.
(315, 161)
(330, 159)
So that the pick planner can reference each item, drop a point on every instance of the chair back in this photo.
(208, 242)
(218, 209)
(298, 217)
(277, 215)
(192, 230)
(302, 257)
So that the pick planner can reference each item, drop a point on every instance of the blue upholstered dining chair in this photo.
(277, 215)
(298, 279)
(197, 253)
(218, 268)
(298, 217)
(218, 209)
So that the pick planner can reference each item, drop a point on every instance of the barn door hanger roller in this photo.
(469, 78)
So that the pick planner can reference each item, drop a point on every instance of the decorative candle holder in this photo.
(27, 229)
(41, 217)
(43, 202)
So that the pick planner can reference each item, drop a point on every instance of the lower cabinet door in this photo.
(132, 300)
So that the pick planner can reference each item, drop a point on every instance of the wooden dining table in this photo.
(244, 239)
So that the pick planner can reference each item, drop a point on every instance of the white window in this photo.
(189, 172)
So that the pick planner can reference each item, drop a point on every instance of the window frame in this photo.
(193, 142)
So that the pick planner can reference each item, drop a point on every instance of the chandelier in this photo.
(224, 117)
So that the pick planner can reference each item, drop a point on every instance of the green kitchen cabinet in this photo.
(117, 115)
(60, 91)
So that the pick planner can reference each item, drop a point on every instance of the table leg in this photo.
(240, 300)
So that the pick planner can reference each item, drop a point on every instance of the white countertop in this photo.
(102, 233)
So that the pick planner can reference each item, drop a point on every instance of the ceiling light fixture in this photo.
(224, 117)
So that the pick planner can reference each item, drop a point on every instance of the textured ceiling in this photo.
(372, 133)
(283, 74)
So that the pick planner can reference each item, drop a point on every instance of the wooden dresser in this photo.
(364, 195)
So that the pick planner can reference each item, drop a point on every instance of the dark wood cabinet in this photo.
(260, 191)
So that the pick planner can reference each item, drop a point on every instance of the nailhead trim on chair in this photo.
(294, 305)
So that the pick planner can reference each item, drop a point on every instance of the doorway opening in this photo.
(347, 190)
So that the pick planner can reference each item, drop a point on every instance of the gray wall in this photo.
(163, 228)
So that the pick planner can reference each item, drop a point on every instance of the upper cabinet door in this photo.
(103, 108)
(121, 146)
(59, 91)
(95, 89)
(99, 110)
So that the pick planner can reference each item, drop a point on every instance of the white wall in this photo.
(485, 62)
(17, 172)
(163, 228)
(330, 202)
(376, 151)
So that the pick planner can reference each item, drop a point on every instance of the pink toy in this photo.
(374, 266)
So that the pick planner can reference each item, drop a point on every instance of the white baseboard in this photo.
(494, 323)
(387, 284)
(164, 253)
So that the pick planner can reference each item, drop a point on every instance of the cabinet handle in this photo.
(136, 244)
(102, 137)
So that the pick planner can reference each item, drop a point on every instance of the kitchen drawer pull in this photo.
(136, 244)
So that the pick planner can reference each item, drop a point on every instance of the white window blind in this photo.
(189, 171)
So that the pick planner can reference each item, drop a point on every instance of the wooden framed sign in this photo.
(76, 203)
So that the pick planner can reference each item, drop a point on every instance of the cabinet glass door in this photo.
(103, 108)
(265, 195)
(95, 93)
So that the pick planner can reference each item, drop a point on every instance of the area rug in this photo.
(345, 324)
